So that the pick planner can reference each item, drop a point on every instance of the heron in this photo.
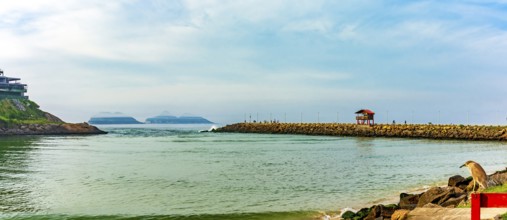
(478, 174)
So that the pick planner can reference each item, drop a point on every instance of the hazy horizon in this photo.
(429, 61)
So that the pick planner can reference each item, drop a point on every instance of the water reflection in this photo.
(14, 162)
(365, 142)
(364, 163)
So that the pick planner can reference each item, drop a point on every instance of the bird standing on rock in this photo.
(478, 174)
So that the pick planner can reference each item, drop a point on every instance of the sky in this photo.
(225, 60)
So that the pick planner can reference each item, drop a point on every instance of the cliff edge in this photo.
(20, 116)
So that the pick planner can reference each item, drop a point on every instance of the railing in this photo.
(3, 96)
(489, 200)
(361, 117)
(13, 88)
(365, 117)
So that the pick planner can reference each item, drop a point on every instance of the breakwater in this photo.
(458, 132)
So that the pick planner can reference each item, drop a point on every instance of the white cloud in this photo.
(94, 30)
(115, 55)
(348, 32)
(322, 26)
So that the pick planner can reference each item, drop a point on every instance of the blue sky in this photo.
(420, 61)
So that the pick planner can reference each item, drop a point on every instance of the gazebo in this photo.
(365, 117)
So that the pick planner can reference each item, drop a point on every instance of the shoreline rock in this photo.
(50, 129)
(439, 132)
(449, 196)
(19, 116)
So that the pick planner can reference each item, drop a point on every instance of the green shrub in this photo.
(21, 111)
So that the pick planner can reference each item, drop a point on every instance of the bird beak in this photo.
(462, 165)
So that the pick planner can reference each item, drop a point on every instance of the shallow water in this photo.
(175, 172)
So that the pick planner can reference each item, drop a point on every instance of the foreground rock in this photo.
(50, 129)
(436, 197)
(459, 132)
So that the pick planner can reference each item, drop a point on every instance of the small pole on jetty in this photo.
(257, 117)
(387, 122)
(413, 117)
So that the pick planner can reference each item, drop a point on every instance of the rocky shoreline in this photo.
(50, 129)
(451, 132)
(19, 116)
(455, 193)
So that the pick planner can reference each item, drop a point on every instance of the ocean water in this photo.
(175, 172)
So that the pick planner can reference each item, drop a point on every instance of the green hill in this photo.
(23, 111)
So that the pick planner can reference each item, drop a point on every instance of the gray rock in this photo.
(453, 202)
(433, 195)
(348, 215)
(408, 201)
(381, 212)
(455, 181)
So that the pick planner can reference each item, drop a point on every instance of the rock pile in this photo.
(460, 132)
(50, 129)
(455, 193)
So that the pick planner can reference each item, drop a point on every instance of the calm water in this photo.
(167, 172)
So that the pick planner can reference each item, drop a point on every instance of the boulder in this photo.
(454, 202)
(408, 201)
(443, 196)
(498, 178)
(348, 215)
(400, 214)
(362, 213)
(453, 192)
(381, 211)
(454, 181)
(433, 195)
(431, 205)
(464, 184)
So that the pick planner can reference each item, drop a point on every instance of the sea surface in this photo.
(177, 172)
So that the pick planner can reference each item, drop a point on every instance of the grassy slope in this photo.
(498, 189)
(22, 111)
(494, 189)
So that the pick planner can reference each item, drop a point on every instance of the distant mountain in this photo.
(170, 119)
(112, 118)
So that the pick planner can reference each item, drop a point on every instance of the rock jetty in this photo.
(457, 132)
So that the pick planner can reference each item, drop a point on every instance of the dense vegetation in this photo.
(23, 111)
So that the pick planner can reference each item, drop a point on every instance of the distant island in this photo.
(166, 118)
(107, 118)
(21, 116)
(118, 118)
